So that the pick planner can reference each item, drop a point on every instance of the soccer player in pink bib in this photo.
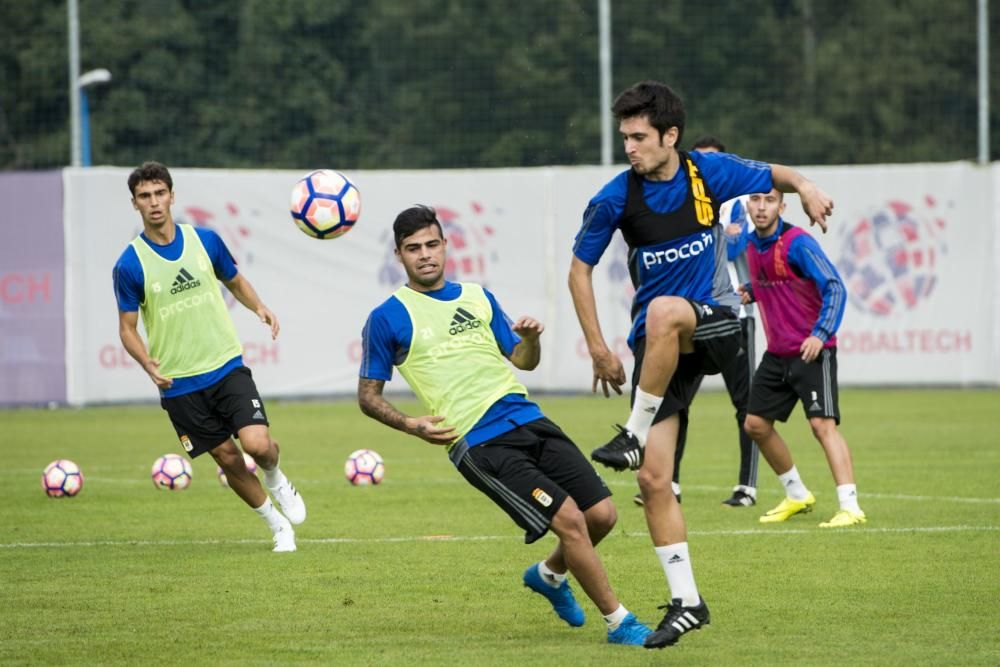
(801, 299)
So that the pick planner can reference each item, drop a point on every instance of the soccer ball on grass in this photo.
(62, 479)
(364, 467)
(172, 471)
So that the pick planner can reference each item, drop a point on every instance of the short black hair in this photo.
(412, 220)
(661, 105)
(149, 171)
(708, 141)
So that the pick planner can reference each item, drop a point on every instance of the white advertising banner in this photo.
(914, 243)
(321, 291)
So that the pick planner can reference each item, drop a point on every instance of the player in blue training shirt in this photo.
(684, 315)
(170, 273)
(454, 346)
(733, 217)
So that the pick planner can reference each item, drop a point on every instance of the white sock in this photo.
(271, 515)
(848, 496)
(643, 411)
(615, 618)
(552, 578)
(676, 564)
(794, 488)
(273, 478)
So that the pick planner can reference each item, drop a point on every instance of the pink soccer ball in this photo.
(325, 204)
(172, 472)
(62, 479)
(364, 467)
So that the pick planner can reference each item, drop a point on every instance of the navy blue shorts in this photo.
(530, 471)
(207, 418)
(781, 382)
(718, 341)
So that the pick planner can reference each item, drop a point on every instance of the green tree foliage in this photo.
(396, 84)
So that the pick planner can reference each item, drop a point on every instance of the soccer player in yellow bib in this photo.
(452, 343)
(170, 274)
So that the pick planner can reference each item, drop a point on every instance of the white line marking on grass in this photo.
(862, 494)
(612, 482)
(758, 532)
(951, 499)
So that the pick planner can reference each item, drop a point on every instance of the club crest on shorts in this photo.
(543, 498)
(186, 443)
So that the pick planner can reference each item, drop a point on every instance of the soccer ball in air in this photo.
(172, 471)
(251, 466)
(62, 478)
(325, 204)
(364, 467)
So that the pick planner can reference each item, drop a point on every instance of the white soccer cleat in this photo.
(284, 539)
(291, 503)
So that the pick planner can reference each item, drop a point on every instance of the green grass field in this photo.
(422, 570)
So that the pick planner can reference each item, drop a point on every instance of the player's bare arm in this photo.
(244, 292)
(608, 368)
(817, 204)
(745, 293)
(810, 348)
(128, 331)
(528, 352)
(374, 404)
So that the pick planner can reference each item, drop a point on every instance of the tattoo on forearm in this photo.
(375, 406)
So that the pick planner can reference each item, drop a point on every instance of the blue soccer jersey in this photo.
(677, 247)
(129, 283)
(385, 342)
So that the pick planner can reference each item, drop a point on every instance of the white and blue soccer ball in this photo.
(62, 479)
(172, 472)
(325, 204)
(364, 467)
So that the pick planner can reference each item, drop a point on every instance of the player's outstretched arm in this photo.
(608, 368)
(128, 331)
(528, 352)
(247, 295)
(374, 404)
(817, 204)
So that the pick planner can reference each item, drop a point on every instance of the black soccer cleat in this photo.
(677, 621)
(622, 453)
(740, 499)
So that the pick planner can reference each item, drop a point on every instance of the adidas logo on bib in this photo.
(184, 281)
(463, 320)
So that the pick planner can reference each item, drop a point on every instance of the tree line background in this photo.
(402, 84)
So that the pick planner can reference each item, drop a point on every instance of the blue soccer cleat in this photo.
(630, 632)
(560, 596)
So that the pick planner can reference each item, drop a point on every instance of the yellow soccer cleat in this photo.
(789, 507)
(845, 518)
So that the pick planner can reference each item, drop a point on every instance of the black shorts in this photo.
(717, 342)
(781, 381)
(530, 471)
(207, 418)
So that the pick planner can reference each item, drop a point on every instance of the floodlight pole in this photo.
(72, 10)
(604, 32)
(90, 78)
(984, 83)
